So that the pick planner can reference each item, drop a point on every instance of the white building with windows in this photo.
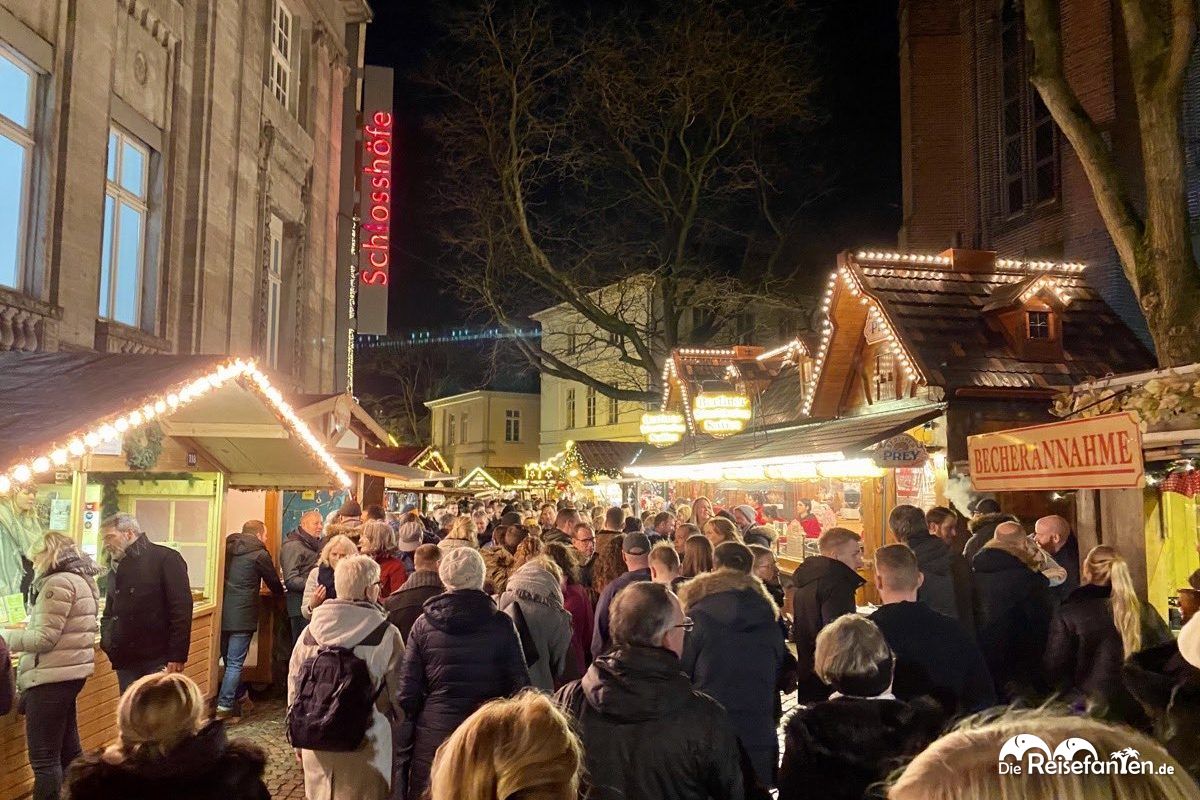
(180, 178)
(497, 431)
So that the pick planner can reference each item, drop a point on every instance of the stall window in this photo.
(17, 85)
(181, 524)
(26, 515)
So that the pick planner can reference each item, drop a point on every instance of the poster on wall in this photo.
(296, 503)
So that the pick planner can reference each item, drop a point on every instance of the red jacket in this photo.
(392, 574)
(577, 601)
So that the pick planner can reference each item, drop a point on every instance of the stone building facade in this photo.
(174, 177)
(984, 165)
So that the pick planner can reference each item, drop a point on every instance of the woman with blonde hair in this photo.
(963, 763)
(164, 749)
(523, 747)
(379, 541)
(697, 556)
(462, 534)
(1096, 629)
(719, 530)
(319, 586)
(58, 653)
(702, 511)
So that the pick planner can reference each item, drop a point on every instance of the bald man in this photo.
(1054, 535)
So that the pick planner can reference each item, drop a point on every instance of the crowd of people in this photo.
(538, 650)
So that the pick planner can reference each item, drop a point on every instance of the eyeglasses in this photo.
(687, 624)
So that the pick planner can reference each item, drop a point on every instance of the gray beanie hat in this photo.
(462, 568)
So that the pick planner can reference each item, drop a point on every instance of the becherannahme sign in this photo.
(1102, 452)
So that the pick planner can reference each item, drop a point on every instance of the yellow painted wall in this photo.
(1171, 535)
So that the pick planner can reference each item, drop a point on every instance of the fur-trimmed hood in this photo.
(989, 521)
(720, 580)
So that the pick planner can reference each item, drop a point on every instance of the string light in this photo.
(82, 442)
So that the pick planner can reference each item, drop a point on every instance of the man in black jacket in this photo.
(405, 604)
(297, 557)
(824, 590)
(935, 655)
(645, 731)
(247, 566)
(933, 557)
(1054, 535)
(942, 523)
(147, 622)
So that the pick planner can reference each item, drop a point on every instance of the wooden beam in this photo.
(224, 430)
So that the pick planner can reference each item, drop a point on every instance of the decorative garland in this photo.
(110, 497)
(1155, 401)
(143, 446)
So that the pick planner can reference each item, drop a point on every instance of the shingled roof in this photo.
(935, 304)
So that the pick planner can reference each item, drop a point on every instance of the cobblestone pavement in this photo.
(264, 726)
(285, 780)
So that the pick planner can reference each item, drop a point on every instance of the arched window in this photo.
(1028, 136)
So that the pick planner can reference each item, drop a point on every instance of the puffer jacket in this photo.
(982, 529)
(933, 559)
(1084, 653)
(838, 749)
(247, 566)
(647, 733)
(461, 653)
(205, 766)
(297, 556)
(734, 654)
(824, 591)
(59, 642)
(1015, 608)
(533, 593)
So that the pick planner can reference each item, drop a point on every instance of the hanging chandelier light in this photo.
(662, 428)
(721, 410)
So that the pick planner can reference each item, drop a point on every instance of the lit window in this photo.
(591, 407)
(274, 289)
(885, 377)
(450, 430)
(614, 412)
(123, 249)
(17, 84)
(570, 408)
(280, 76)
(512, 425)
(1038, 324)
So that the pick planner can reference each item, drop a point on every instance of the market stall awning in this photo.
(781, 453)
(57, 407)
(396, 476)
(603, 458)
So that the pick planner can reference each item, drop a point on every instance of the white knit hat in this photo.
(409, 536)
(1189, 641)
(462, 568)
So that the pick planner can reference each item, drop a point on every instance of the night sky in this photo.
(859, 95)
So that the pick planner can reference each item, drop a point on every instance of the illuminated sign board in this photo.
(375, 201)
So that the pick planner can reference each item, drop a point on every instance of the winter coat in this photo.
(824, 591)
(366, 772)
(646, 733)
(247, 566)
(578, 603)
(205, 766)
(499, 564)
(539, 598)
(983, 528)
(404, 605)
(600, 640)
(148, 607)
(935, 656)
(734, 654)
(838, 749)
(7, 693)
(462, 652)
(320, 575)
(1084, 653)
(938, 591)
(297, 556)
(392, 573)
(1067, 557)
(1168, 688)
(1015, 608)
(59, 641)
(351, 528)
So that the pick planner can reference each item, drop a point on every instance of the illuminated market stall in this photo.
(931, 348)
(181, 442)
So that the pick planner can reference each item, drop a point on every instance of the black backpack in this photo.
(334, 698)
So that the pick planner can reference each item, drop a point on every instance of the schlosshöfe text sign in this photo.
(1102, 452)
